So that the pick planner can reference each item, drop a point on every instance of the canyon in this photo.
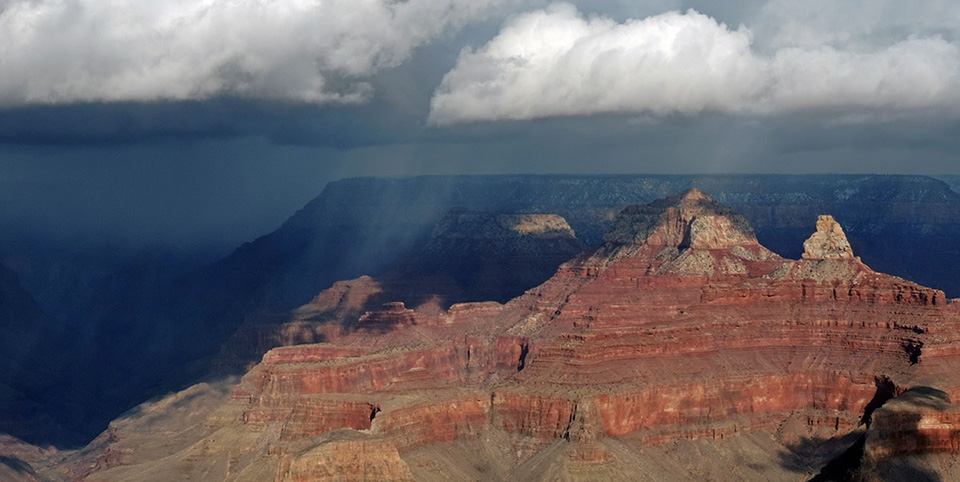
(124, 328)
(681, 348)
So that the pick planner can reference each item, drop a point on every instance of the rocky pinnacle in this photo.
(828, 242)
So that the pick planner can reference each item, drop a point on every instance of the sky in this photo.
(188, 122)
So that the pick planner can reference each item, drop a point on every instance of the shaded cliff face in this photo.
(29, 345)
(19, 324)
(469, 256)
(679, 340)
(480, 256)
(16, 305)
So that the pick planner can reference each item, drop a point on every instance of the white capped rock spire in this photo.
(828, 242)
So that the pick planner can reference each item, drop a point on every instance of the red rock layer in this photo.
(393, 315)
(681, 326)
(919, 421)
(360, 460)
(314, 416)
(443, 419)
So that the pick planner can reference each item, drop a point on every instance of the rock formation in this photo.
(476, 256)
(153, 322)
(470, 256)
(681, 349)
(828, 242)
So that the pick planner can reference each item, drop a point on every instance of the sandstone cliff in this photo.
(681, 349)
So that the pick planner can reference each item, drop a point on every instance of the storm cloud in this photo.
(558, 62)
(864, 58)
(319, 52)
(188, 122)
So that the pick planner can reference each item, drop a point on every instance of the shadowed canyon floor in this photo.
(681, 349)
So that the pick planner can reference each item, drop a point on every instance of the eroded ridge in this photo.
(681, 327)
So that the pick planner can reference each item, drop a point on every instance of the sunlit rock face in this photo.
(689, 220)
(677, 343)
(828, 242)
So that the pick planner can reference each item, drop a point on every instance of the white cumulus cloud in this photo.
(319, 51)
(556, 62)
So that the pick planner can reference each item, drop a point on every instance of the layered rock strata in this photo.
(681, 327)
(469, 256)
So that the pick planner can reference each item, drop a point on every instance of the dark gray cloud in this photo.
(397, 112)
(318, 52)
(855, 61)
(204, 193)
(208, 130)
(220, 192)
